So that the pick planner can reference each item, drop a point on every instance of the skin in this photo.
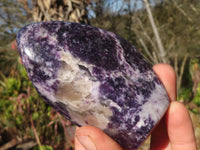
(174, 132)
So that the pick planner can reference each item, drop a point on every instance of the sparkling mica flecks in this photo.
(94, 77)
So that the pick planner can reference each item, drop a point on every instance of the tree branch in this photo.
(162, 52)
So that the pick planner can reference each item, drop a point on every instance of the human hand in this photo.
(174, 132)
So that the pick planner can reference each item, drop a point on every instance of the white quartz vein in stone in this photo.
(153, 107)
(80, 94)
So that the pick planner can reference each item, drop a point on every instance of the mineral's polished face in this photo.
(93, 77)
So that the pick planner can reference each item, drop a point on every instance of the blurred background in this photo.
(164, 31)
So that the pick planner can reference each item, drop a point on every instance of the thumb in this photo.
(92, 138)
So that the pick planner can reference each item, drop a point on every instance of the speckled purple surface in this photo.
(94, 77)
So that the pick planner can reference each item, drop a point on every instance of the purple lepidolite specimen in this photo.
(93, 77)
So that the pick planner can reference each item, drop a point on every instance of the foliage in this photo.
(43, 147)
(196, 99)
(185, 94)
(8, 59)
(22, 110)
(12, 17)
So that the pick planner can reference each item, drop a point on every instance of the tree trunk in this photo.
(58, 10)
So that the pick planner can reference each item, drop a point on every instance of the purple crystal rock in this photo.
(93, 77)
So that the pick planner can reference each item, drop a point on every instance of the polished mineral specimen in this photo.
(93, 77)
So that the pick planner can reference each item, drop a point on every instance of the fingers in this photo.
(167, 76)
(78, 146)
(175, 131)
(179, 127)
(159, 137)
(92, 138)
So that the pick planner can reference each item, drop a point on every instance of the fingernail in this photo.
(86, 142)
